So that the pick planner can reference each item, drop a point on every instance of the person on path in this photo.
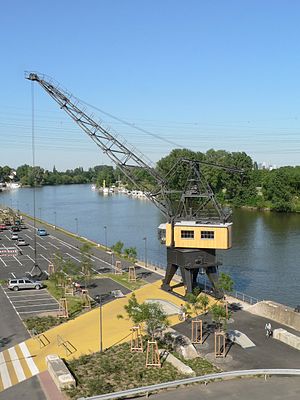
(182, 313)
(268, 328)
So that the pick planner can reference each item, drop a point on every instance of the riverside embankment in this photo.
(263, 260)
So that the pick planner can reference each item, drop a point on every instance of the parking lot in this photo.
(28, 303)
(47, 248)
(50, 246)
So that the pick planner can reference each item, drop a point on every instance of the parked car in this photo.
(21, 242)
(15, 228)
(42, 232)
(2, 227)
(24, 283)
(14, 236)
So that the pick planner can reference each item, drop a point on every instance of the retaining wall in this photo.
(277, 312)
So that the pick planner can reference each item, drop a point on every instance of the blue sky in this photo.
(204, 74)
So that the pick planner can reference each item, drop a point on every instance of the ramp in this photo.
(240, 338)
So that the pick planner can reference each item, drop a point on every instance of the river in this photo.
(264, 261)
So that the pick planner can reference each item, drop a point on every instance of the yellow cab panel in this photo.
(190, 234)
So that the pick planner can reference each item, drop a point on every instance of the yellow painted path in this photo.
(77, 337)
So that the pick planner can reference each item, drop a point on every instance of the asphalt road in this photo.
(12, 331)
(274, 388)
(48, 247)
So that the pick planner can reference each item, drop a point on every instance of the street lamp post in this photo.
(105, 234)
(98, 298)
(76, 221)
(54, 219)
(146, 261)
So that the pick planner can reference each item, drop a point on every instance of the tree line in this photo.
(277, 190)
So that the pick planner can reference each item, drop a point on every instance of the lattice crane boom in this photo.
(124, 157)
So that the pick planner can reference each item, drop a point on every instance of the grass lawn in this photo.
(74, 302)
(123, 280)
(119, 369)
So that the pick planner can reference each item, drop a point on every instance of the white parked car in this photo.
(21, 242)
(14, 236)
(24, 283)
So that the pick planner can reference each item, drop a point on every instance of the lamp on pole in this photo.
(146, 261)
(203, 273)
(54, 219)
(98, 299)
(76, 221)
(105, 234)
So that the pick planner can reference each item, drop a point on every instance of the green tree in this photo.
(225, 282)
(117, 247)
(149, 315)
(204, 301)
(131, 253)
(218, 313)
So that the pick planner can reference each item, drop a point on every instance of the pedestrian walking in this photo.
(268, 329)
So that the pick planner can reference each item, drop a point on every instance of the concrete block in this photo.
(179, 365)
(277, 312)
(180, 343)
(59, 372)
(240, 338)
(287, 338)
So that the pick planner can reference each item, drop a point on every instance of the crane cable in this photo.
(34, 171)
(132, 125)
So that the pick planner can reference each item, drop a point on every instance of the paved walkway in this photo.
(79, 336)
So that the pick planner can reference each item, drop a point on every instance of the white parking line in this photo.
(38, 311)
(7, 237)
(25, 295)
(39, 244)
(28, 236)
(14, 276)
(17, 260)
(3, 262)
(30, 258)
(73, 257)
(31, 247)
(37, 305)
(64, 243)
(24, 301)
(45, 258)
(31, 364)
(53, 245)
(56, 256)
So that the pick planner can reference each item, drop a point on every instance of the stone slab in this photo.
(59, 372)
(240, 338)
(179, 365)
(287, 338)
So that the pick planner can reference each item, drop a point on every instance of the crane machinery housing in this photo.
(196, 225)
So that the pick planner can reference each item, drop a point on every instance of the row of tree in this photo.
(277, 190)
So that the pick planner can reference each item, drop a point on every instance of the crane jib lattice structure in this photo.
(196, 225)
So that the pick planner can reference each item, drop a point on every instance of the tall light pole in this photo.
(105, 235)
(76, 221)
(54, 219)
(98, 298)
(146, 261)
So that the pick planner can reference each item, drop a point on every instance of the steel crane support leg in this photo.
(190, 261)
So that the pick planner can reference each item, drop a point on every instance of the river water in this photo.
(264, 261)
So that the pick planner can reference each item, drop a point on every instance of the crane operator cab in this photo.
(196, 235)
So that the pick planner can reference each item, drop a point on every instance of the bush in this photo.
(42, 324)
